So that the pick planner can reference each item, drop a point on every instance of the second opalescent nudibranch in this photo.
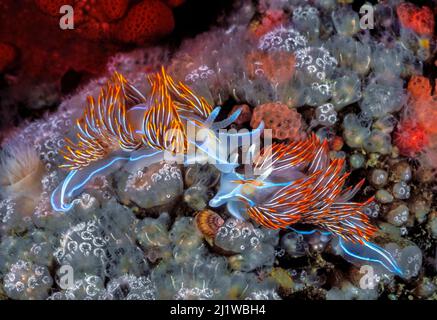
(299, 184)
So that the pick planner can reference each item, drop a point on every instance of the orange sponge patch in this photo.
(419, 87)
(420, 20)
(410, 138)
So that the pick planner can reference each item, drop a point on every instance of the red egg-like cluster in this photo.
(410, 137)
(147, 20)
(101, 27)
(116, 20)
(52, 7)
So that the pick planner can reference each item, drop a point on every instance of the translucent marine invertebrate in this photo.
(346, 21)
(27, 281)
(326, 115)
(124, 126)
(315, 67)
(282, 39)
(21, 172)
(306, 19)
(253, 246)
(199, 179)
(316, 63)
(130, 287)
(158, 184)
(298, 184)
(88, 287)
(153, 237)
(83, 247)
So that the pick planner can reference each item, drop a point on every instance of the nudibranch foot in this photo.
(361, 252)
(62, 198)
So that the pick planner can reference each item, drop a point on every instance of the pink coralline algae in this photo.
(285, 123)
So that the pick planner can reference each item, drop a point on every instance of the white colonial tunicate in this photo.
(130, 287)
(282, 39)
(83, 247)
(398, 216)
(380, 99)
(326, 115)
(401, 190)
(89, 287)
(306, 20)
(158, 184)
(27, 281)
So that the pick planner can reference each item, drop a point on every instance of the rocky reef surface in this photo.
(299, 66)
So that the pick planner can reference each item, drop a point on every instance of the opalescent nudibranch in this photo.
(299, 184)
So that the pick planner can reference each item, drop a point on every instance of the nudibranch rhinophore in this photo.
(299, 184)
(124, 126)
